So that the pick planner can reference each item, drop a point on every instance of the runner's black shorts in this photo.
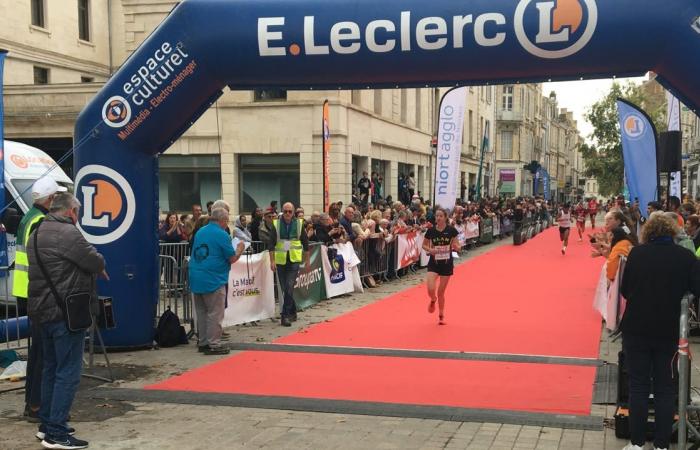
(444, 269)
(562, 232)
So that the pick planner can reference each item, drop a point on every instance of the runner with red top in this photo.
(439, 243)
(592, 211)
(580, 212)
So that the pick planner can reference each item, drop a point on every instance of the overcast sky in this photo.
(579, 96)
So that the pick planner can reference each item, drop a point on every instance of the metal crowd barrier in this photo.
(684, 380)
(14, 325)
(174, 287)
(374, 259)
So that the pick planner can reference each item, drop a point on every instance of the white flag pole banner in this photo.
(408, 249)
(251, 294)
(449, 147)
(674, 124)
(341, 273)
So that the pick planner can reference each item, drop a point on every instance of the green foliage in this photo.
(603, 156)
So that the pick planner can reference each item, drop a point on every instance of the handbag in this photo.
(75, 307)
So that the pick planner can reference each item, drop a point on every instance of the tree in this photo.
(603, 156)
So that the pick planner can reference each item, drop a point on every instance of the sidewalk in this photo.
(134, 425)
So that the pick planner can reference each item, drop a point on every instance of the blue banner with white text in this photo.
(639, 153)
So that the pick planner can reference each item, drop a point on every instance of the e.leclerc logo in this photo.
(147, 88)
(109, 205)
(565, 26)
(634, 126)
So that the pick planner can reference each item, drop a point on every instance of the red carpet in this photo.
(517, 300)
(527, 299)
(465, 384)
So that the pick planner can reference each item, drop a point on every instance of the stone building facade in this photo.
(251, 147)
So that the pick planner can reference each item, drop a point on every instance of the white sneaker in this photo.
(631, 446)
(659, 448)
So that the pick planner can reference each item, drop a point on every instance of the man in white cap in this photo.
(43, 192)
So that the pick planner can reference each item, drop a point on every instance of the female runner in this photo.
(439, 243)
(564, 220)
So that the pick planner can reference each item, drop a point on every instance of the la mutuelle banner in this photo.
(309, 288)
(639, 153)
(251, 294)
(449, 147)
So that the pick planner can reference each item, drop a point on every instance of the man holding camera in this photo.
(70, 264)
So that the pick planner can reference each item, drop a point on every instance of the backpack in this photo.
(169, 332)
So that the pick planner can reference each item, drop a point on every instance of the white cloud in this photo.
(579, 96)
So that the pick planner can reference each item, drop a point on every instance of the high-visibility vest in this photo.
(294, 245)
(20, 284)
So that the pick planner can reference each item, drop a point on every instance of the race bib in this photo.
(442, 252)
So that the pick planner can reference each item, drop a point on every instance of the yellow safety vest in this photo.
(294, 245)
(20, 284)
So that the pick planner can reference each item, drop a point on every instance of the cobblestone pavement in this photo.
(118, 425)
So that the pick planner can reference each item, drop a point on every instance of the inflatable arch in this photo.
(205, 45)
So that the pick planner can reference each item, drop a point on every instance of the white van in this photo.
(24, 164)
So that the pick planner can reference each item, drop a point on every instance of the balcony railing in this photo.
(509, 116)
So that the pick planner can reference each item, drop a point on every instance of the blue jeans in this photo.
(287, 275)
(649, 358)
(63, 361)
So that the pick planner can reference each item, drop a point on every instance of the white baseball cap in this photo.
(45, 186)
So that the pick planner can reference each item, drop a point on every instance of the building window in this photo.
(188, 180)
(38, 13)
(507, 104)
(270, 95)
(263, 178)
(404, 106)
(41, 75)
(489, 94)
(378, 102)
(471, 127)
(356, 98)
(87, 79)
(84, 19)
(419, 109)
(506, 145)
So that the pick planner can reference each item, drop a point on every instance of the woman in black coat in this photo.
(657, 275)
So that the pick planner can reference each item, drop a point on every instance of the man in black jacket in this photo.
(71, 264)
(657, 276)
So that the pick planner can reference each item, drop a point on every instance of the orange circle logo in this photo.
(19, 161)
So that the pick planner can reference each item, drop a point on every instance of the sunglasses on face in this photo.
(288, 211)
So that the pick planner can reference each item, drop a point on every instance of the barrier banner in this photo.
(496, 227)
(507, 225)
(340, 269)
(310, 286)
(251, 290)
(408, 249)
(486, 236)
(461, 238)
(471, 230)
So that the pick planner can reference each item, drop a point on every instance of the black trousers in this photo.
(651, 358)
(35, 365)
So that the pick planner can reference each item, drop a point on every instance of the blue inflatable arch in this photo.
(206, 45)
